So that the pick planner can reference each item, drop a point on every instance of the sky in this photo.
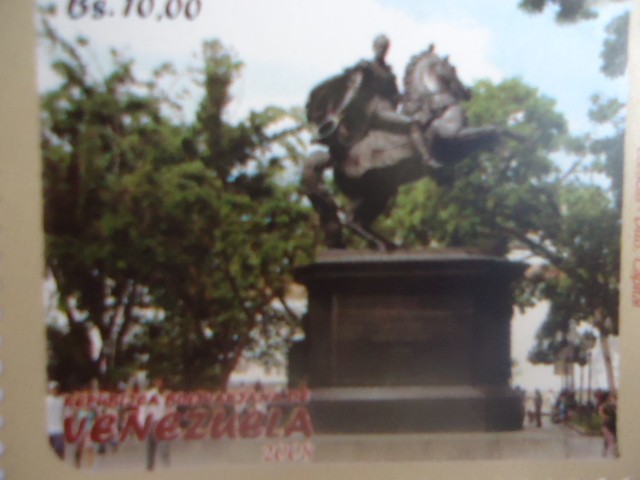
(289, 46)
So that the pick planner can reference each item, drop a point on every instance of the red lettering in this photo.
(168, 428)
(307, 451)
(274, 417)
(270, 453)
(133, 426)
(294, 396)
(305, 394)
(301, 395)
(222, 424)
(299, 421)
(92, 400)
(104, 428)
(113, 400)
(288, 452)
(196, 427)
(295, 453)
(71, 436)
(206, 398)
(124, 400)
(252, 424)
(285, 415)
(170, 399)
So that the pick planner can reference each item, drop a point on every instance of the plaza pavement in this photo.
(547, 443)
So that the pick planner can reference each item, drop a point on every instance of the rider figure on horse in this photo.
(375, 83)
(374, 147)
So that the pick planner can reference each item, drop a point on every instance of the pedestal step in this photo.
(414, 409)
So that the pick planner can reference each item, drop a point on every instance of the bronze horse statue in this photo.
(379, 139)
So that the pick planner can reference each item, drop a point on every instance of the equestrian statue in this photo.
(378, 139)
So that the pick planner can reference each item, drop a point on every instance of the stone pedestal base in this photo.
(407, 342)
(414, 409)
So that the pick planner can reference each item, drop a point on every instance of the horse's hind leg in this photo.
(375, 240)
(364, 214)
(321, 199)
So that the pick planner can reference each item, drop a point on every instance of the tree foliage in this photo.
(565, 10)
(491, 199)
(93, 132)
(614, 49)
(173, 242)
(584, 285)
(554, 195)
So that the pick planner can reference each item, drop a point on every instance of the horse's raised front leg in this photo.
(315, 189)
(449, 124)
(452, 125)
(452, 139)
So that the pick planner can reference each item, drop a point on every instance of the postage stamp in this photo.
(382, 237)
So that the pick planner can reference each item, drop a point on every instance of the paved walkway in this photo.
(546, 443)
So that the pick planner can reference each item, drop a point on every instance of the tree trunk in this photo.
(608, 363)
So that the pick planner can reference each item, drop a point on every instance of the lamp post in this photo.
(581, 394)
(589, 376)
(589, 342)
(573, 339)
(561, 360)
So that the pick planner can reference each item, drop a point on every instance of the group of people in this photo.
(600, 411)
(59, 411)
(84, 423)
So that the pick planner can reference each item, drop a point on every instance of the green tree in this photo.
(519, 198)
(585, 285)
(174, 242)
(565, 10)
(492, 199)
(94, 131)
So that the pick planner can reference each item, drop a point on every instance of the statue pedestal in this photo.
(405, 342)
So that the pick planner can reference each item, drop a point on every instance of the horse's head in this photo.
(450, 80)
(428, 74)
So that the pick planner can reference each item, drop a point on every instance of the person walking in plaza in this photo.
(55, 418)
(156, 408)
(608, 416)
(537, 404)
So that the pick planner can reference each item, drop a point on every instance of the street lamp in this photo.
(589, 341)
(573, 339)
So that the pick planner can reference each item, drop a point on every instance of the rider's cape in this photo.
(349, 99)
(327, 96)
(367, 149)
